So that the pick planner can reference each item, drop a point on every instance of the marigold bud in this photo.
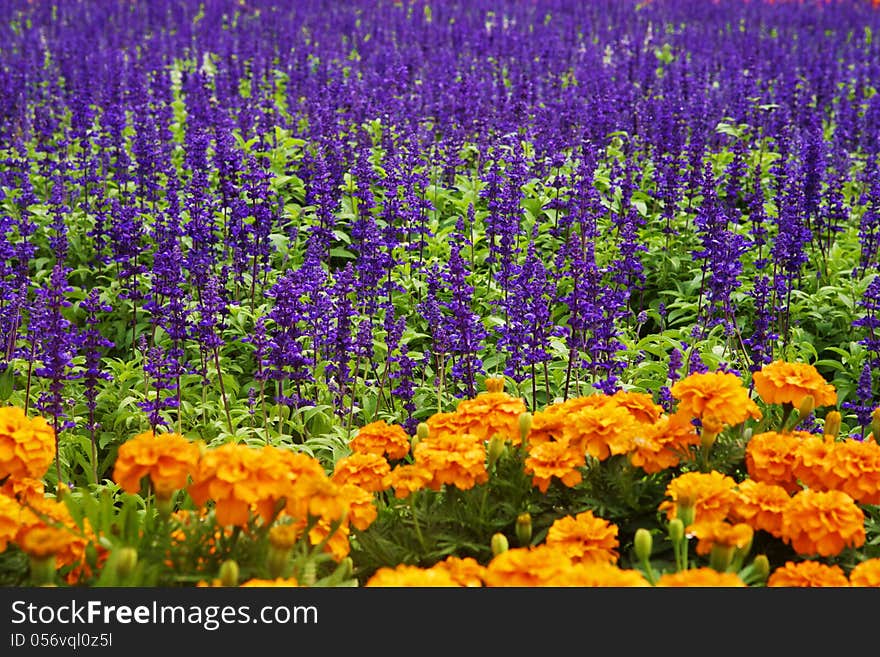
(499, 543)
(807, 406)
(229, 573)
(760, 567)
(524, 528)
(422, 431)
(42, 570)
(685, 510)
(495, 384)
(676, 530)
(643, 543)
(126, 561)
(721, 557)
(707, 439)
(525, 425)
(832, 424)
(495, 450)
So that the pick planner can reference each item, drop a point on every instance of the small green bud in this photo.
(422, 431)
(495, 450)
(760, 567)
(525, 425)
(676, 530)
(42, 570)
(524, 528)
(229, 573)
(807, 406)
(643, 543)
(126, 561)
(499, 543)
(707, 439)
(721, 557)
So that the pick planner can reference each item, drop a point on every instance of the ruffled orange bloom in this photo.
(316, 496)
(27, 445)
(638, 404)
(285, 582)
(810, 574)
(781, 382)
(274, 470)
(601, 430)
(700, 577)
(548, 423)
(490, 414)
(361, 509)
(710, 493)
(771, 456)
(406, 479)
(456, 460)
(721, 533)
(167, 459)
(554, 459)
(715, 398)
(10, 520)
(659, 446)
(585, 538)
(813, 463)
(224, 474)
(337, 544)
(852, 466)
(405, 575)
(360, 469)
(823, 523)
(382, 438)
(527, 566)
(24, 489)
(465, 571)
(760, 506)
(71, 550)
(597, 574)
(42, 541)
(866, 573)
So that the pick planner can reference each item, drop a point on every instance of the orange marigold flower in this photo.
(811, 574)
(715, 398)
(601, 430)
(465, 571)
(710, 493)
(554, 459)
(336, 545)
(51, 512)
(700, 577)
(527, 566)
(405, 575)
(760, 505)
(10, 520)
(597, 574)
(382, 438)
(316, 495)
(362, 469)
(406, 479)
(27, 445)
(813, 464)
(584, 538)
(548, 423)
(288, 582)
(866, 573)
(43, 540)
(361, 509)
(492, 413)
(456, 460)
(661, 445)
(720, 532)
(224, 474)
(639, 404)
(273, 471)
(823, 523)
(781, 382)
(771, 456)
(167, 459)
(24, 490)
(853, 466)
